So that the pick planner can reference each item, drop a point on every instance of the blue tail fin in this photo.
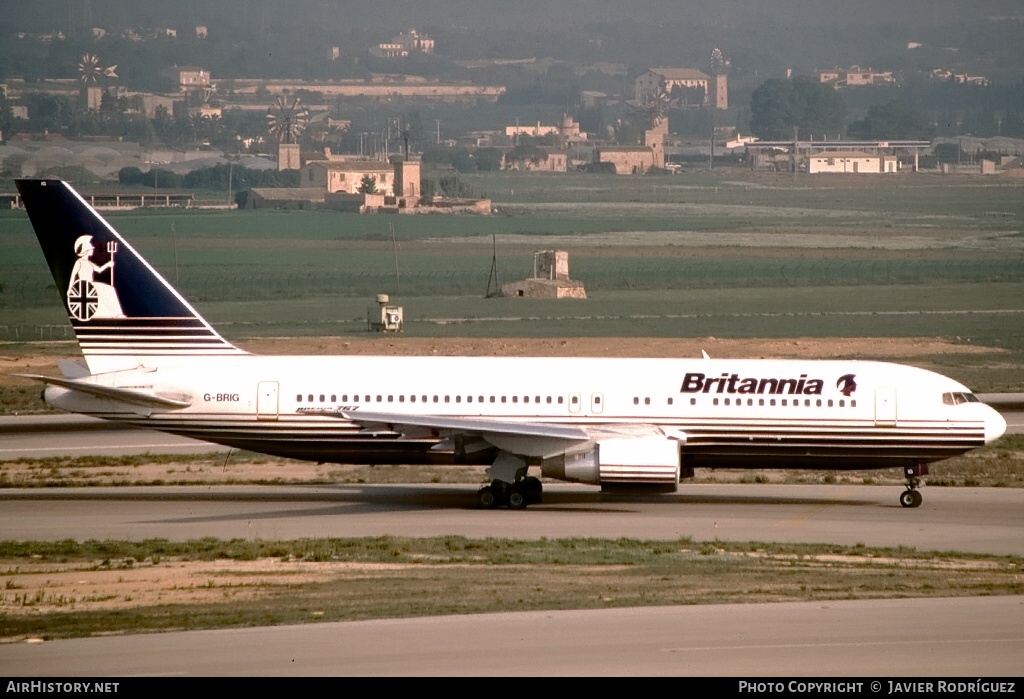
(123, 312)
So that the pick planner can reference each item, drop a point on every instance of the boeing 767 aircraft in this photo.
(153, 361)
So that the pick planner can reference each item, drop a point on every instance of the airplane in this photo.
(153, 361)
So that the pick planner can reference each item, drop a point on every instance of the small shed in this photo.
(550, 279)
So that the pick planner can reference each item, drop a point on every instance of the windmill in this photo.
(654, 104)
(91, 74)
(90, 71)
(719, 63)
(286, 123)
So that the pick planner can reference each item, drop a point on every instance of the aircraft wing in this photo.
(465, 425)
(123, 395)
(526, 438)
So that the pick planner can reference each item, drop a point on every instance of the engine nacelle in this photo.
(626, 461)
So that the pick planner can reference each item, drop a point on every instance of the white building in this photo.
(851, 162)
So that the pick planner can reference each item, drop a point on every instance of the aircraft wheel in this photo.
(486, 497)
(517, 500)
(910, 498)
(532, 488)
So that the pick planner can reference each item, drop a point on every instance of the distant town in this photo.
(399, 118)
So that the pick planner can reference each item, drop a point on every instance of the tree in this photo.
(778, 107)
(129, 176)
(368, 185)
(893, 120)
(488, 159)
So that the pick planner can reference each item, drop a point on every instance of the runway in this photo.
(979, 520)
(876, 639)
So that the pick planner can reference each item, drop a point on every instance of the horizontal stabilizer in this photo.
(122, 395)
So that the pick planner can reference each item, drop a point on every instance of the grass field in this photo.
(734, 254)
(68, 589)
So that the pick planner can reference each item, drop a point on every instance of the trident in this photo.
(112, 249)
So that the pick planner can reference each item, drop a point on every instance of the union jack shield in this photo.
(83, 300)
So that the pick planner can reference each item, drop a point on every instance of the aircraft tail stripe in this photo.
(136, 322)
(167, 352)
(142, 332)
(143, 341)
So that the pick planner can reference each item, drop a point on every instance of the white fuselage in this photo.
(724, 412)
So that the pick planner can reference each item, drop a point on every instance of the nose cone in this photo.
(995, 426)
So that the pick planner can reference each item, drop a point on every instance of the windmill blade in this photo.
(89, 68)
(286, 122)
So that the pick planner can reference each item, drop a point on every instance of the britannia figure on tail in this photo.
(89, 298)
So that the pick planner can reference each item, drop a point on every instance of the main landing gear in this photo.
(911, 497)
(515, 496)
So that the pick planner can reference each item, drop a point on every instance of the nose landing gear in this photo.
(911, 497)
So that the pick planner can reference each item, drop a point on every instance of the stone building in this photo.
(628, 160)
(550, 279)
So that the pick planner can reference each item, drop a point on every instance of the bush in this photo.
(129, 176)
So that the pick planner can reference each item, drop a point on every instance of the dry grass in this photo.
(66, 589)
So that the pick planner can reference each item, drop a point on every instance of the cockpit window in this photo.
(956, 398)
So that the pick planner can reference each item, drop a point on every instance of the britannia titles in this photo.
(733, 383)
